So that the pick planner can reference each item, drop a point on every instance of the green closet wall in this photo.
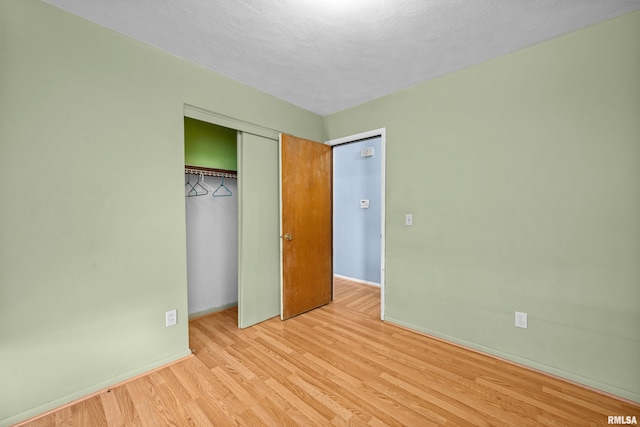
(208, 145)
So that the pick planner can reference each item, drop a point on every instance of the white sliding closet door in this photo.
(259, 229)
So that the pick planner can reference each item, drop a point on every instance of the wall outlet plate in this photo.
(171, 318)
(521, 320)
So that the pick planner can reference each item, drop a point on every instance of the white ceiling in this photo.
(329, 55)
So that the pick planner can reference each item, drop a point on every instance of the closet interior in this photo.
(211, 216)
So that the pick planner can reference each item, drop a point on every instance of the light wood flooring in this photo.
(338, 365)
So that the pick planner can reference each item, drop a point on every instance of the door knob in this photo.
(288, 236)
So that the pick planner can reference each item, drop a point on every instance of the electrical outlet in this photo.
(521, 320)
(171, 318)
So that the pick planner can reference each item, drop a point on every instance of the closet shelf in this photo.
(199, 170)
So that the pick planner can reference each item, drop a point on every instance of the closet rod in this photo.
(197, 170)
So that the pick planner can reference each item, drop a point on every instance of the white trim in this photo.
(353, 138)
(281, 227)
(382, 133)
(352, 279)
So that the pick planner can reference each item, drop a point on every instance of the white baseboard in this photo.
(351, 279)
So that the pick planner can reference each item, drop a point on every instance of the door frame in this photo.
(355, 138)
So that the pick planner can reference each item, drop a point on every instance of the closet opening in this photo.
(211, 206)
(242, 266)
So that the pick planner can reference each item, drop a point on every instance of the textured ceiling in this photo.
(329, 55)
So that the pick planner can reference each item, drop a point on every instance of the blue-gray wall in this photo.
(356, 231)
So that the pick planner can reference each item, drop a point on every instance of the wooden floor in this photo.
(337, 365)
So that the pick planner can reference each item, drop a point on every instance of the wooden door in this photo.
(306, 195)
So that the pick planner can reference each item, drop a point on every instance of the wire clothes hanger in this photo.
(196, 189)
(222, 190)
(204, 184)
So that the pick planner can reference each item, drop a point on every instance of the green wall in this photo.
(209, 145)
(523, 177)
(92, 213)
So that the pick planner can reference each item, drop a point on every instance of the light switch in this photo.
(364, 204)
(408, 219)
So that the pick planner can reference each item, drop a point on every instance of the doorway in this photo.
(358, 209)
